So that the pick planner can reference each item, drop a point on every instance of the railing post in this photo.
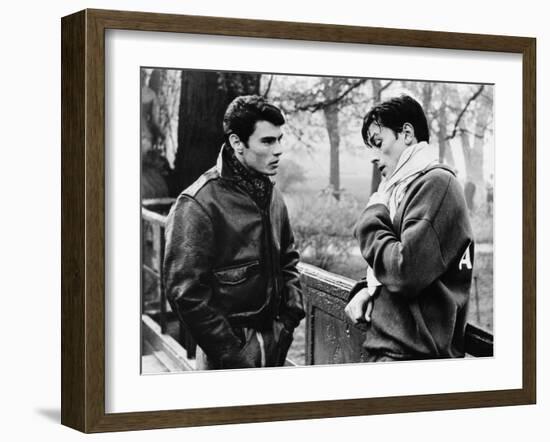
(141, 273)
(310, 324)
(478, 313)
(163, 322)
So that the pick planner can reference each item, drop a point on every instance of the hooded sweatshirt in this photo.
(423, 258)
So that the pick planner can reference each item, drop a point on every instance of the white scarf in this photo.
(412, 162)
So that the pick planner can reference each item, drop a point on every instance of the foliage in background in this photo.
(166, 83)
(290, 175)
(482, 223)
(323, 227)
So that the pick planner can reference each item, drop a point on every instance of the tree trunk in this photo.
(331, 118)
(477, 157)
(477, 151)
(427, 90)
(377, 98)
(469, 186)
(467, 151)
(154, 167)
(473, 155)
(332, 88)
(445, 152)
(204, 99)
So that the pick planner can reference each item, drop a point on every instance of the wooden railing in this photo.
(329, 338)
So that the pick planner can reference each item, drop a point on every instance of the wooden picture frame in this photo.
(83, 220)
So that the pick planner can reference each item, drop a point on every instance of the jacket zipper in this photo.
(268, 232)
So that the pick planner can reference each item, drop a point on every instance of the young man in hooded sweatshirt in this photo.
(416, 237)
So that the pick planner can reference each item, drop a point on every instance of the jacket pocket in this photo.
(237, 274)
(241, 289)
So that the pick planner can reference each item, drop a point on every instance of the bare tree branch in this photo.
(314, 107)
(300, 137)
(387, 85)
(470, 100)
(268, 88)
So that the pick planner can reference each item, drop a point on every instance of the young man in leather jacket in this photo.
(230, 261)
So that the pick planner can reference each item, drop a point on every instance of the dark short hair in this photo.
(243, 112)
(394, 113)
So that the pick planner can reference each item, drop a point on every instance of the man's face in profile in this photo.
(263, 149)
(386, 147)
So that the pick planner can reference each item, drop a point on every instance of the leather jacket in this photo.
(228, 264)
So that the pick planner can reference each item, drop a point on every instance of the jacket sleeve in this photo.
(292, 305)
(188, 262)
(408, 262)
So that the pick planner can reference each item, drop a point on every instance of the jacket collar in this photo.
(225, 171)
(257, 185)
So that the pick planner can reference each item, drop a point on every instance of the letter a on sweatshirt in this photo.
(465, 260)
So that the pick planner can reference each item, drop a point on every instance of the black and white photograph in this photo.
(292, 220)
(248, 221)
